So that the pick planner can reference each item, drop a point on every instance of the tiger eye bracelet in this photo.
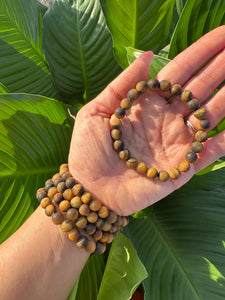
(87, 222)
(196, 147)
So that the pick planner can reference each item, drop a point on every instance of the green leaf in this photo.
(3, 89)
(198, 18)
(182, 244)
(23, 65)
(219, 128)
(139, 24)
(78, 48)
(34, 140)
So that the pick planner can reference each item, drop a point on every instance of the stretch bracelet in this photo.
(87, 222)
(196, 147)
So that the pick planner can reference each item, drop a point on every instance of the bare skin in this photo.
(39, 261)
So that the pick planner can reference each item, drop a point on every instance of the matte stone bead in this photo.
(41, 194)
(141, 168)
(86, 197)
(55, 176)
(65, 175)
(100, 248)
(110, 238)
(52, 191)
(45, 202)
(48, 184)
(57, 218)
(201, 136)
(200, 113)
(163, 175)
(124, 154)
(197, 147)
(116, 134)
(82, 242)
(132, 163)
(193, 104)
(114, 229)
(74, 234)
(107, 226)
(77, 189)
(95, 205)
(203, 124)
(58, 197)
(164, 85)
(191, 156)
(153, 84)
(64, 205)
(105, 236)
(115, 123)
(125, 221)
(84, 210)
(57, 181)
(152, 173)
(99, 223)
(49, 210)
(76, 202)
(91, 246)
(72, 214)
(142, 86)
(66, 225)
(112, 217)
(61, 187)
(183, 166)
(68, 194)
(92, 217)
(97, 235)
(70, 182)
(126, 103)
(176, 89)
(81, 222)
(174, 173)
(63, 168)
(132, 94)
(103, 212)
(119, 112)
(119, 222)
(118, 145)
(90, 229)
(186, 95)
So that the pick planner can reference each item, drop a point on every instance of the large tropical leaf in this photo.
(197, 18)
(34, 139)
(78, 48)
(182, 242)
(139, 24)
(23, 65)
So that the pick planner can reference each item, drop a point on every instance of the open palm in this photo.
(153, 130)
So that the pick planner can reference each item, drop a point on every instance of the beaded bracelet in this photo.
(196, 147)
(88, 223)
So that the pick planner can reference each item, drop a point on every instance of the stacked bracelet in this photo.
(89, 223)
(196, 147)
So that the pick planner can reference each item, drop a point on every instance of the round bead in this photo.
(164, 85)
(74, 234)
(191, 156)
(65, 175)
(45, 202)
(132, 163)
(66, 225)
(176, 89)
(86, 197)
(99, 223)
(112, 217)
(124, 154)
(186, 95)
(57, 175)
(49, 210)
(115, 123)
(41, 193)
(72, 214)
(174, 173)
(125, 221)
(68, 194)
(64, 205)
(95, 205)
(153, 84)
(63, 168)
(114, 229)
(203, 124)
(52, 191)
(70, 182)
(183, 166)
(82, 242)
(97, 235)
(105, 236)
(119, 112)
(141, 168)
(84, 210)
(200, 113)
(118, 145)
(110, 238)
(197, 147)
(57, 218)
(132, 94)
(91, 246)
(61, 187)
(152, 173)
(57, 181)
(77, 189)
(201, 136)
(142, 86)
(119, 222)
(92, 217)
(58, 197)
(100, 248)
(90, 229)
(163, 175)
(126, 103)
(193, 104)
(76, 202)
(116, 134)
(48, 184)
(103, 212)
(81, 222)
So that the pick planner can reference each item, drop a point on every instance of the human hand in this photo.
(153, 130)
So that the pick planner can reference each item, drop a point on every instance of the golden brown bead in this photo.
(64, 168)
(119, 112)
(57, 181)
(110, 238)
(103, 212)
(112, 217)
(65, 175)
(191, 156)
(76, 202)
(153, 84)
(52, 191)
(114, 229)
(82, 242)
(77, 189)
(193, 104)
(99, 223)
(132, 94)
(57, 218)
(152, 173)
(84, 210)
(203, 124)
(174, 173)
(176, 89)
(118, 145)
(58, 197)
(66, 225)
(183, 166)
(119, 222)
(141, 168)
(97, 235)
(164, 85)
(105, 236)
(49, 210)
(201, 136)
(116, 134)
(95, 205)
(74, 234)
(86, 197)
(64, 205)
(197, 147)
(48, 184)
(186, 95)
(126, 103)
(142, 86)
(61, 187)
(45, 202)
(72, 214)
(107, 226)
(124, 154)
(125, 221)
(70, 182)
(115, 123)
(57, 175)
(100, 248)
(40, 194)
(132, 163)
(81, 222)
(163, 175)
(90, 229)
(68, 194)
(91, 246)
(200, 113)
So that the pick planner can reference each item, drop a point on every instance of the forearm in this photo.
(39, 261)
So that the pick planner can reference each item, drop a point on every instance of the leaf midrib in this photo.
(29, 171)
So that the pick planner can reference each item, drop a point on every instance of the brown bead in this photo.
(114, 229)
(118, 145)
(132, 163)
(66, 225)
(72, 214)
(126, 103)
(77, 189)
(197, 147)
(193, 104)
(48, 184)
(191, 156)
(100, 248)
(186, 95)
(64, 168)
(65, 175)
(119, 222)
(84, 210)
(81, 222)
(115, 123)
(107, 226)
(110, 238)
(91, 246)
(201, 136)
(142, 86)
(163, 175)
(40, 194)
(103, 212)
(57, 181)
(82, 242)
(58, 197)
(174, 173)
(57, 218)
(203, 124)
(124, 154)
(86, 197)
(99, 223)
(153, 84)
(45, 202)
(64, 205)
(95, 205)
(61, 187)
(200, 113)
(141, 168)
(119, 112)
(132, 94)
(152, 173)
(70, 182)
(97, 235)
(112, 217)
(105, 236)
(116, 134)
(183, 166)
(68, 194)
(176, 89)
(76, 202)
(90, 229)
(74, 234)
(125, 221)
(52, 191)
(55, 176)
(164, 85)
(49, 210)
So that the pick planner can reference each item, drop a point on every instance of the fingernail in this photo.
(146, 57)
